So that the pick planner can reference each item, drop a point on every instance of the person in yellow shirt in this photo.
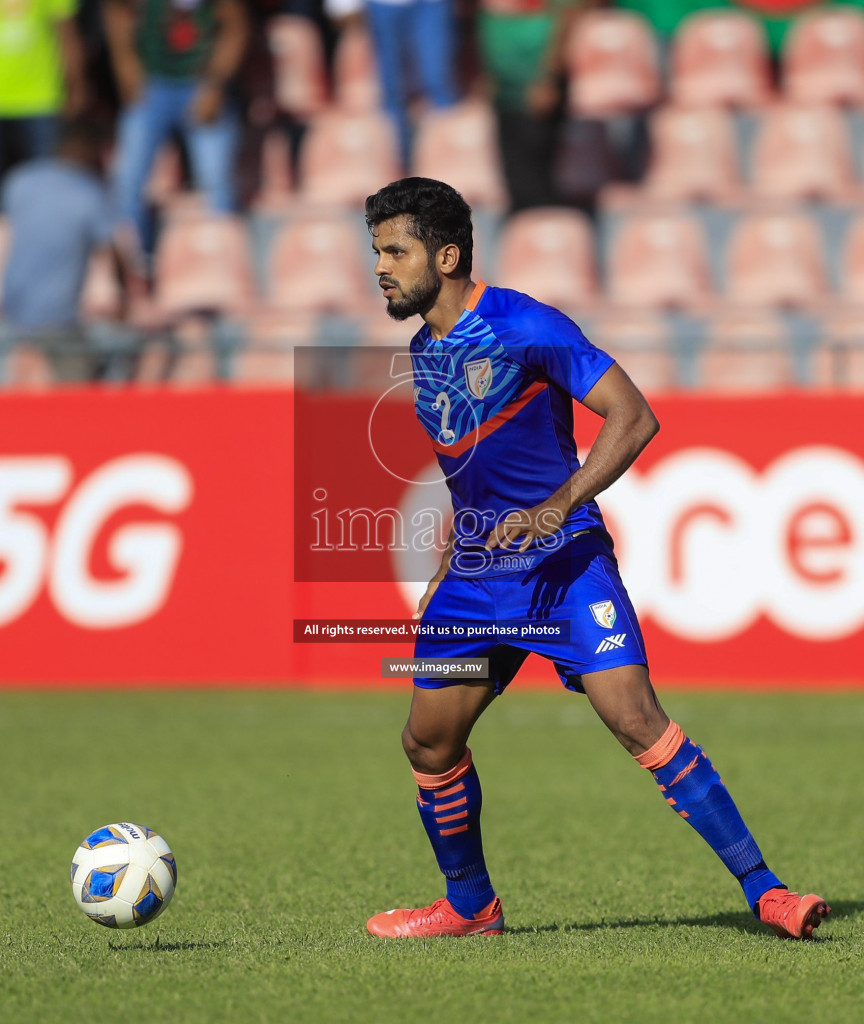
(41, 75)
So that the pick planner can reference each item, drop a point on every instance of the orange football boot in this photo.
(792, 916)
(439, 919)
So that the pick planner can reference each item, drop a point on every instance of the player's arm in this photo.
(436, 579)
(628, 425)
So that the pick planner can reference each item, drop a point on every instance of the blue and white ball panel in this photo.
(123, 875)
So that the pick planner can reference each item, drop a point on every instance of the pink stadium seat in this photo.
(376, 328)
(347, 156)
(27, 369)
(154, 362)
(100, 299)
(838, 362)
(720, 58)
(694, 155)
(659, 260)
(165, 181)
(188, 360)
(823, 57)
(459, 145)
(204, 263)
(298, 56)
(804, 152)
(276, 191)
(852, 263)
(746, 350)
(639, 341)
(776, 259)
(612, 64)
(549, 253)
(268, 357)
(316, 264)
(355, 75)
(194, 369)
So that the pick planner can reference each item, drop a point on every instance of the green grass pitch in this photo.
(292, 818)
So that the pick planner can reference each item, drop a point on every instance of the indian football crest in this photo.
(478, 376)
(604, 613)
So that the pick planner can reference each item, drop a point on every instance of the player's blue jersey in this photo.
(495, 396)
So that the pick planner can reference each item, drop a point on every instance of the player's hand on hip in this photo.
(526, 526)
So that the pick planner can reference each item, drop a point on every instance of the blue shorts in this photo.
(579, 592)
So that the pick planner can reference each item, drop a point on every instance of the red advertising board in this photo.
(145, 537)
(150, 537)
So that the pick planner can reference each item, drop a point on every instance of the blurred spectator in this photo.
(416, 49)
(174, 61)
(521, 50)
(258, 93)
(60, 216)
(41, 74)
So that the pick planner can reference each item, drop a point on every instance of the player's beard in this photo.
(418, 298)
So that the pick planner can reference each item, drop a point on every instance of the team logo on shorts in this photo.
(478, 376)
(604, 613)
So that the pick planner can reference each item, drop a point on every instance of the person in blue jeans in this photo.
(415, 46)
(174, 61)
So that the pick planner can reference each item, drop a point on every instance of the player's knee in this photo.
(427, 755)
(638, 728)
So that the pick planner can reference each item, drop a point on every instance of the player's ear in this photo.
(448, 258)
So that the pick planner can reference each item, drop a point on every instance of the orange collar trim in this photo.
(479, 288)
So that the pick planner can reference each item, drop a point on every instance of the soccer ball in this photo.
(123, 875)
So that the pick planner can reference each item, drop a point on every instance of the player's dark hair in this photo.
(437, 215)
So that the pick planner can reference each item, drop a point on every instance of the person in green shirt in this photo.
(41, 76)
(521, 50)
(174, 61)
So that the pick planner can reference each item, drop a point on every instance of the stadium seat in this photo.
(639, 340)
(316, 265)
(165, 181)
(459, 145)
(204, 265)
(694, 155)
(276, 189)
(746, 350)
(347, 156)
(299, 65)
(720, 58)
(838, 361)
(355, 75)
(26, 369)
(804, 152)
(549, 253)
(612, 64)
(852, 263)
(823, 57)
(659, 260)
(268, 355)
(377, 328)
(100, 299)
(776, 259)
(155, 361)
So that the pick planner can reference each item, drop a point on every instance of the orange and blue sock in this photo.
(693, 789)
(449, 807)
